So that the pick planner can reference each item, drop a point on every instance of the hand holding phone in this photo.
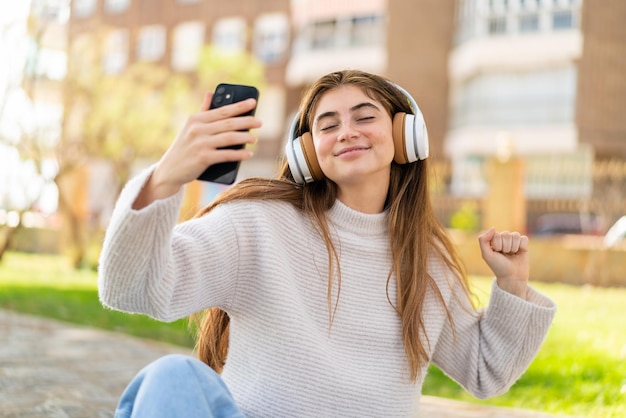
(202, 143)
(226, 173)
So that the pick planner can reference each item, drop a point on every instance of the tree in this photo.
(26, 138)
(129, 117)
(121, 119)
(134, 116)
(236, 67)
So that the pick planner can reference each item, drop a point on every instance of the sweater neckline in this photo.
(345, 218)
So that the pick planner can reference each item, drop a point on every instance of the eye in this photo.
(365, 118)
(328, 127)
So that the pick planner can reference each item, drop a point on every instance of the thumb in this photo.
(484, 240)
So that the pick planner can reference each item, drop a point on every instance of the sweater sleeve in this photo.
(486, 352)
(151, 265)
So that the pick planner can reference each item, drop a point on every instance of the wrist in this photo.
(154, 189)
(518, 288)
(160, 187)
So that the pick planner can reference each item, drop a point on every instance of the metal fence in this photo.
(597, 212)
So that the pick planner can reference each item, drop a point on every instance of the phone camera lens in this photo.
(220, 90)
(218, 99)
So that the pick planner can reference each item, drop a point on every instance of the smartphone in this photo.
(226, 173)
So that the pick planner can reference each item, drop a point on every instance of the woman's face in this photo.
(353, 140)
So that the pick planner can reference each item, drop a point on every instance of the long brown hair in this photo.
(415, 233)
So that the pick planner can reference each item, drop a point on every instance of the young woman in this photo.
(321, 295)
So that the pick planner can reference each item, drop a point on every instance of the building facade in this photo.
(540, 80)
(172, 33)
(601, 85)
(407, 41)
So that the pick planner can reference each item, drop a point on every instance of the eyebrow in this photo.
(352, 109)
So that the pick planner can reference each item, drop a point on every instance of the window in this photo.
(271, 34)
(230, 34)
(367, 30)
(497, 25)
(187, 42)
(529, 23)
(323, 34)
(564, 3)
(115, 51)
(83, 8)
(563, 14)
(562, 19)
(542, 97)
(151, 43)
(529, 16)
(467, 21)
(529, 4)
(116, 6)
(477, 18)
(498, 6)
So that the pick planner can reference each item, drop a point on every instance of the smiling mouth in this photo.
(350, 149)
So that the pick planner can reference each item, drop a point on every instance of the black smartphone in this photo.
(226, 173)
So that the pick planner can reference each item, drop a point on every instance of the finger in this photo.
(226, 154)
(507, 242)
(226, 132)
(221, 148)
(231, 138)
(496, 243)
(238, 123)
(206, 102)
(515, 242)
(484, 241)
(228, 111)
(523, 245)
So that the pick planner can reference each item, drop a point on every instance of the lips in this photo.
(351, 149)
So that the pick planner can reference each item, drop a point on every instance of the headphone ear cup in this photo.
(301, 156)
(308, 149)
(399, 140)
(410, 138)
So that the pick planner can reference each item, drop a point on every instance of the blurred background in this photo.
(524, 104)
(523, 100)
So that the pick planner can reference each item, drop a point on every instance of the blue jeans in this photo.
(177, 386)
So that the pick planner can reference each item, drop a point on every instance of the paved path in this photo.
(57, 370)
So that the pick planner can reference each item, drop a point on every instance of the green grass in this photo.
(581, 367)
(48, 286)
(580, 370)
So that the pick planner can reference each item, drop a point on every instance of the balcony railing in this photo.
(489, 18)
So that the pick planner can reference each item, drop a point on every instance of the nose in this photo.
(346, 132)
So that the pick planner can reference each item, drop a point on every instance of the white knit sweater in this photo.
(265, 264)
